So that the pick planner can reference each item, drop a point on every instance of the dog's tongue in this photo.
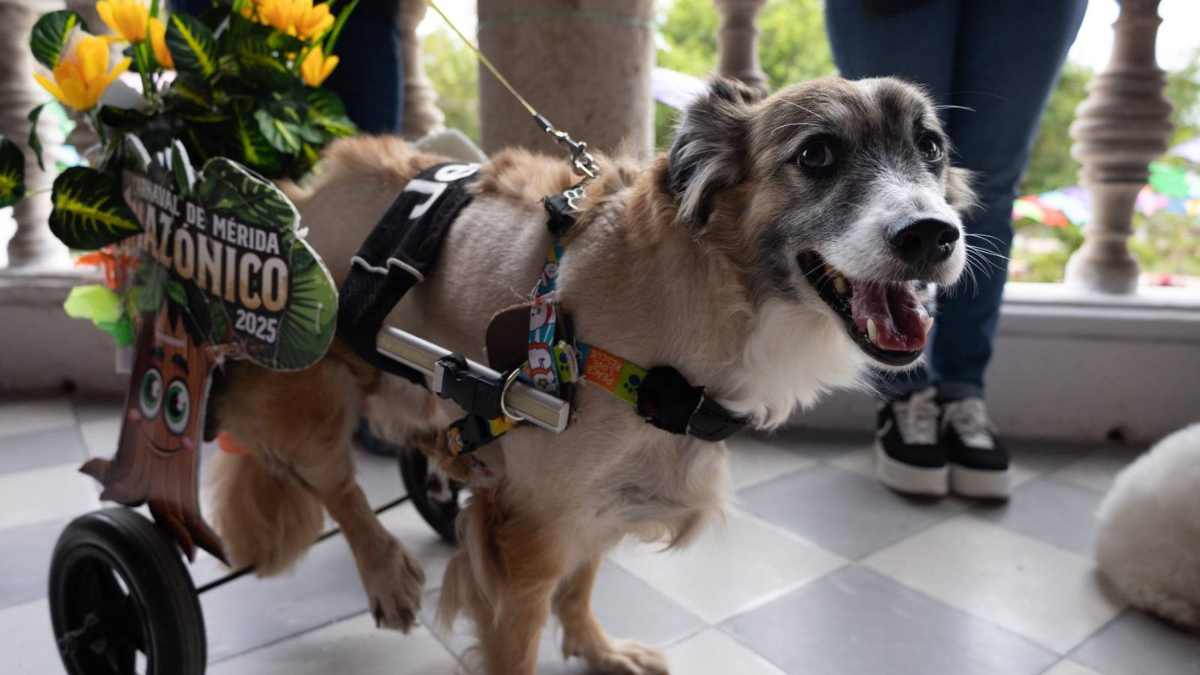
(898, 315)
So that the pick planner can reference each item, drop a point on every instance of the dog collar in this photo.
(661, 395)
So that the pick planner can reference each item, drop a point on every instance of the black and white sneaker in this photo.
(979, 465)
(908, 456)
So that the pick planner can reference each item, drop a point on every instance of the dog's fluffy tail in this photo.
(266, 520)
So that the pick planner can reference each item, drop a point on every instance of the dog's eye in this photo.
(931, 150)
(817, 155)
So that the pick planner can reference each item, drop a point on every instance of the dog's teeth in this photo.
(928, 325)
(840, 285)
(872, 331)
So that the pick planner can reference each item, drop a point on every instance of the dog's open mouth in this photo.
(885, 319)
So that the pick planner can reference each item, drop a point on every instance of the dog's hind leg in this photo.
(583, 636)
(503, 580)
(298, 426)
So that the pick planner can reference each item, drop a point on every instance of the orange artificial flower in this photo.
(158, 40)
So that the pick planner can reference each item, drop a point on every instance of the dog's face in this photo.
(830, 189)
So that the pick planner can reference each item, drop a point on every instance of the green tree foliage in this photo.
(792, 47)
(1051, 166)
(455, 76)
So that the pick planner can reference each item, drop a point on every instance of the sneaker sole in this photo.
(909, 479)
(980, 483)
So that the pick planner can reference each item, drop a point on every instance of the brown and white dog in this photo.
(770, 256)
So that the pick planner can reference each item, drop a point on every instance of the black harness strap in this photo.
(398, 253)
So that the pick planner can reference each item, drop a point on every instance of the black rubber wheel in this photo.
(122, 601)
(434, 494)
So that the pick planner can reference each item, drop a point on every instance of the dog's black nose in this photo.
(925, 242)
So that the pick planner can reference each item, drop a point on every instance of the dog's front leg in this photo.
(583, 636)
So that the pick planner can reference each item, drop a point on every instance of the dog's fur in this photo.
(691, 263)
(1148, 530)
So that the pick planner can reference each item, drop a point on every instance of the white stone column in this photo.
(32, 247)
(737, 41)
(1121, 126)
(421, 113)
(584, 64)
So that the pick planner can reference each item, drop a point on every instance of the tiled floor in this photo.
(817, 571)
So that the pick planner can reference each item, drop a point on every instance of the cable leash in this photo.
(581, 158)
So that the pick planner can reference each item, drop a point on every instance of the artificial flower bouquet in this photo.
(242, 82)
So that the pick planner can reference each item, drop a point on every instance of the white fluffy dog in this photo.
(1148, 536)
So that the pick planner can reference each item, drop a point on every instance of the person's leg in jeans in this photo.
(1008, 59)
(1009, 56)
(370, 73)
(918, 45)
(1003, 64)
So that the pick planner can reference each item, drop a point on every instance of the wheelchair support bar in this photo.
(535, 406)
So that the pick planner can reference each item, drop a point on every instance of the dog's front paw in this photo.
(394, 585)
(629, 657)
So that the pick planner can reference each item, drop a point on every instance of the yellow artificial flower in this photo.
(313, 21)
(158, 40)
(127, 18)
(316, 66)
(82, 73)
(295, 17)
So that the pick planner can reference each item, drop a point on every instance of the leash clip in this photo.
(581, 159)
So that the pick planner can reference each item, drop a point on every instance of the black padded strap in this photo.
(399, 253)
(668, 401)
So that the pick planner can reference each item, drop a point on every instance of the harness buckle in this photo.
(478, 395)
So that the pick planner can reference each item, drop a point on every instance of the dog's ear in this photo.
(960, 193)
(709, 148)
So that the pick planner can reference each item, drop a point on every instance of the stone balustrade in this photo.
(1119, 129)
(1121, 126)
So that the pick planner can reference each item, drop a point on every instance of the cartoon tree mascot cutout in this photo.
(221, 272)
(156, 456)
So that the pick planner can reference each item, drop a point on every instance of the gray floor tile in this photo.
(1055, 512)
(842, 511)
(818, 445)
(624, 605)
(91, 409)
(379, 476)
(1136, 643)
(25, 561)
(250, 612)
(856, 622)
(1042, 456)
(41, 448)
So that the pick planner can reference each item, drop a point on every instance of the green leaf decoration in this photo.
(121, 119)
(258, 64)
(279, 41)
(35, 143)
(326, 111)
(181, 169)
(338, 24)
(12, 173)
(283, 136)
(306, 327)
(290, 322)
(252, 147)
(192, 46)
(51, 33)
(89, 210)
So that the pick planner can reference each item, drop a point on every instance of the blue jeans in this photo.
(370, 74)
(1001, 59)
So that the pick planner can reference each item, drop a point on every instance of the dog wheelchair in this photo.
(121, 598)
